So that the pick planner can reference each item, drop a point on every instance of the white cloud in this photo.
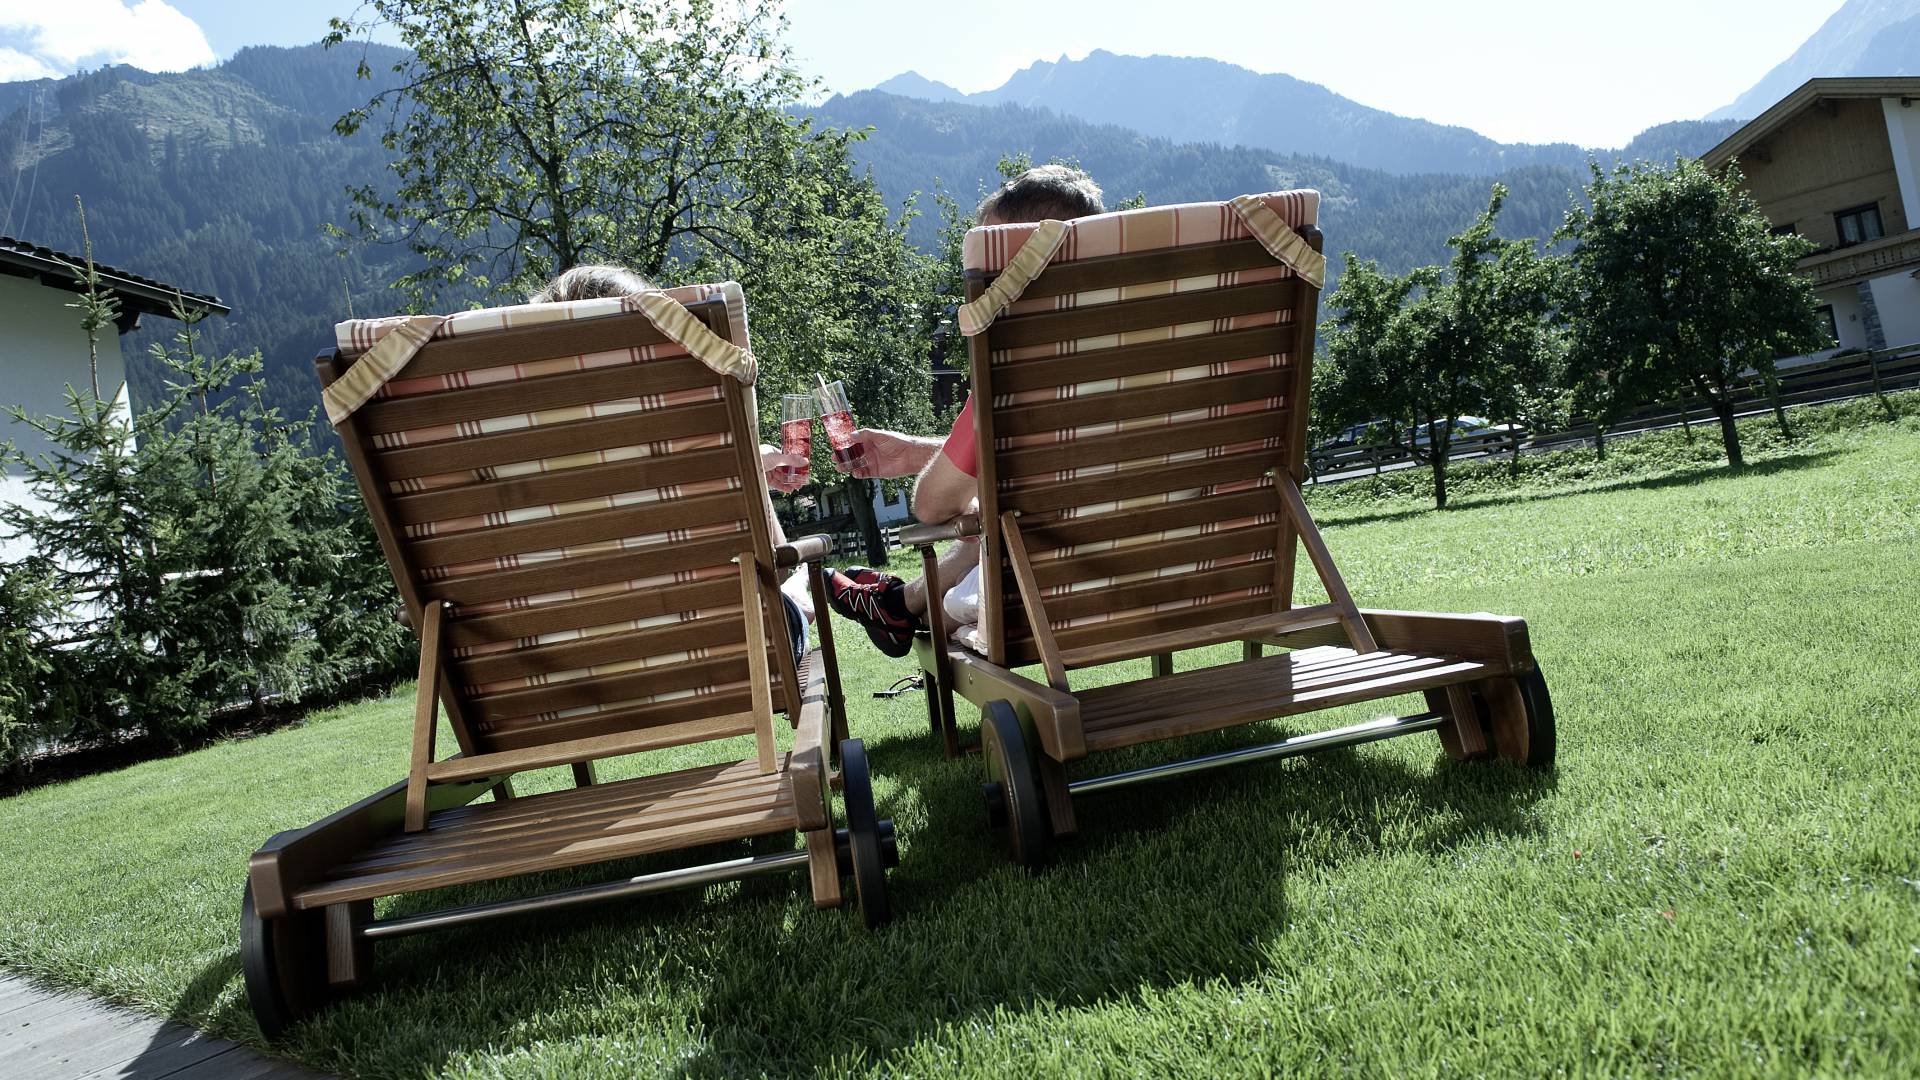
(61, 35)
(16, 66)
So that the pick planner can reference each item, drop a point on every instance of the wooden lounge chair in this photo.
(1140, 382)
(571, 501)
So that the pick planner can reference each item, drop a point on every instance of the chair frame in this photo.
(306, 938)
(1486, 699)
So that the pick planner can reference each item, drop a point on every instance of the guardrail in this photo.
(1840, 378)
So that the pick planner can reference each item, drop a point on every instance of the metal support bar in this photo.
(644, 885)
(1371, 731)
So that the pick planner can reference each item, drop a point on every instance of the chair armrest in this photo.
(807, 549)
(928, 535)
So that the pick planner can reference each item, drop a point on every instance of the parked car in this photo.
(1369, 433)
(1466, 427)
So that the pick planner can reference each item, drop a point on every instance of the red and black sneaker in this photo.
(877, 601)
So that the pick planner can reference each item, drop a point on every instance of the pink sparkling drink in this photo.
(796, 436)
(849, 453)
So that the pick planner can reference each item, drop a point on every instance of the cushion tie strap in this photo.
(397, 346)
(673, 319)
(382, 362)
(1280, 240)
(978, 314)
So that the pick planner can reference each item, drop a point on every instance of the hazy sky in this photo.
(1517, 70)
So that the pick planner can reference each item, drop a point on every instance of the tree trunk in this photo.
(1779, 410)
(1513, 463)
(1686, 420)
(1437, 455)
(1599, 443)
(1729, 434)
(861, 493)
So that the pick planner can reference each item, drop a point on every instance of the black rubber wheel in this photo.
(1016, 805)
(865, 836)
(285, 964)
(1542, 739)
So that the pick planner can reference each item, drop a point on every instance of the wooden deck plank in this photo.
(58, 1036)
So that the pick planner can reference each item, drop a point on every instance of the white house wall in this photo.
(1897, 296)
(1846, 316)
(42, 351)
(1903, 134)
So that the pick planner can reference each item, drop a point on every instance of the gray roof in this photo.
(138, 295)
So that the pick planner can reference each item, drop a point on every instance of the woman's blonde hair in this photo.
(590, 283)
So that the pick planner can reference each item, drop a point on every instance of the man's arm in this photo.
(943, 492)
(892, 454)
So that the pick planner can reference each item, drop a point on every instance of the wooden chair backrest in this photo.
(577, 493)
(1136, 404)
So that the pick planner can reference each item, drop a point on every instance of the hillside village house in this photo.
(43, 350)
(1838, 161)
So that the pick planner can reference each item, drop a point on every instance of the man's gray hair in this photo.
(590, 283)
(1047, 191)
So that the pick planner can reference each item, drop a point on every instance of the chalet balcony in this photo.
(1862, 262)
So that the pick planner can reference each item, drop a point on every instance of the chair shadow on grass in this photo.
(1682, 478)
(1173, 884)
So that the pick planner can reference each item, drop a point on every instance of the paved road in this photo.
(46, 1035)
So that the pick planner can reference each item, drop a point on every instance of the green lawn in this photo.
(1721, 877)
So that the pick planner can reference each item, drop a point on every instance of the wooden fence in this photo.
(1842, 378)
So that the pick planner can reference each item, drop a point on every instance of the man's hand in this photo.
(891, 455)
(785, 472)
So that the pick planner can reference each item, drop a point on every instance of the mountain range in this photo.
(1865, 37)
(1155, 95)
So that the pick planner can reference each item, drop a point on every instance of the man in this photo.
(945, 470)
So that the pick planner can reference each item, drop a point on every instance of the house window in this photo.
(1859, 225)
(1785, 230)
(1825, 312)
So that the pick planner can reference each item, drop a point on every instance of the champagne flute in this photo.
(849, 453)
(796, 436)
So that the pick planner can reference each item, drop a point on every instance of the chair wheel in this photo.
(1518, 715)
(866, 836)
(284, 961)
(1017, 807)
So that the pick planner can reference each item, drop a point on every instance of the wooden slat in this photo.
(1103, 564)
(570, 530)
(1062, 607)
(1233, 506)
(456, 769)
(1125, 643)
(383, 416)
(1147, 267)
(652, 788)
(1142, 443)
(1242, 683)
(562, 817)
(637, 428)
(671, 719)
(1134, 483)
(528, 344)
(619, 608)
(720, 669)
(1040, 373)
(583, 572)
(567, 485)
(1046, 416)
(601, 846)
(1201, 714)
(603, 649)
(1038, 328)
